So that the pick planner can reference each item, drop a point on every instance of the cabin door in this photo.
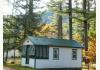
(27, 54)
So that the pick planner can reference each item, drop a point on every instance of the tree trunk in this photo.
(85, 25)
(7, 50)
(30, 18)
(70, 19)
(14, 54)
(3, 56)
(6, 56)
(60, 32)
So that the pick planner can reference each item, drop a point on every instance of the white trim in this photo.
(28, 42)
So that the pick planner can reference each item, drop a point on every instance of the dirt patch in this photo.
(7, 68)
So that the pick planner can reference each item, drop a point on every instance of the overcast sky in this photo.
(7, 8)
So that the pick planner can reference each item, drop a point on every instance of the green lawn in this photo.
(17, 67)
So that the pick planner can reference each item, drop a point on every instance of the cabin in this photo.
(11, 53)
(50, 53)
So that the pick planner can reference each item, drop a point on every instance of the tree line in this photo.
(81, 25)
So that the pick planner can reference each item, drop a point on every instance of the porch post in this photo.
(35, 58)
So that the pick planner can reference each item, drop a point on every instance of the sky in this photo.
(7, 8)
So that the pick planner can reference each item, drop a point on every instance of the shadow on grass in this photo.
(17, 67)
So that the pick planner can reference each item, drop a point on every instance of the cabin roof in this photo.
(55, 42)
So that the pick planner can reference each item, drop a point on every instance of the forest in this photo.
(62, 19)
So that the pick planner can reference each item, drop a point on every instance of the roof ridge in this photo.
(50, 38)
(55, 42)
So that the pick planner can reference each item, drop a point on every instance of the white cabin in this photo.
(44, 53)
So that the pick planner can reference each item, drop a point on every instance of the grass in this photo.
(18, 67)
(91, 66)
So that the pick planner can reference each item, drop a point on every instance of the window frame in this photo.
(57, 54)
(74, 54)
(31, 51)
(40, 51)
(23, 49)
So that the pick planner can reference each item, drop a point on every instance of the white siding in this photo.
(65, 59)
(27, 42)
(31, 62)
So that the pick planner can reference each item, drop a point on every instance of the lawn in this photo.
(17, 67)
(91, 66)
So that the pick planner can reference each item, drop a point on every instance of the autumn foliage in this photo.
(92, 49)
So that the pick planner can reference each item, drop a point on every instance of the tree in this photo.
(28, 20)
(21, 22)
(92, 49)
(86, 22)
(70, 19)
(59, 17)
(85, 25)
(7, 32)
(56, 6)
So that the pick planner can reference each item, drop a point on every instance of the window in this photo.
(23, 50)
(31, 51)
(42, 52)
(74, 54)
(55, 53)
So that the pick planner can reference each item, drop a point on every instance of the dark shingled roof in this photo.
(55, 42)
